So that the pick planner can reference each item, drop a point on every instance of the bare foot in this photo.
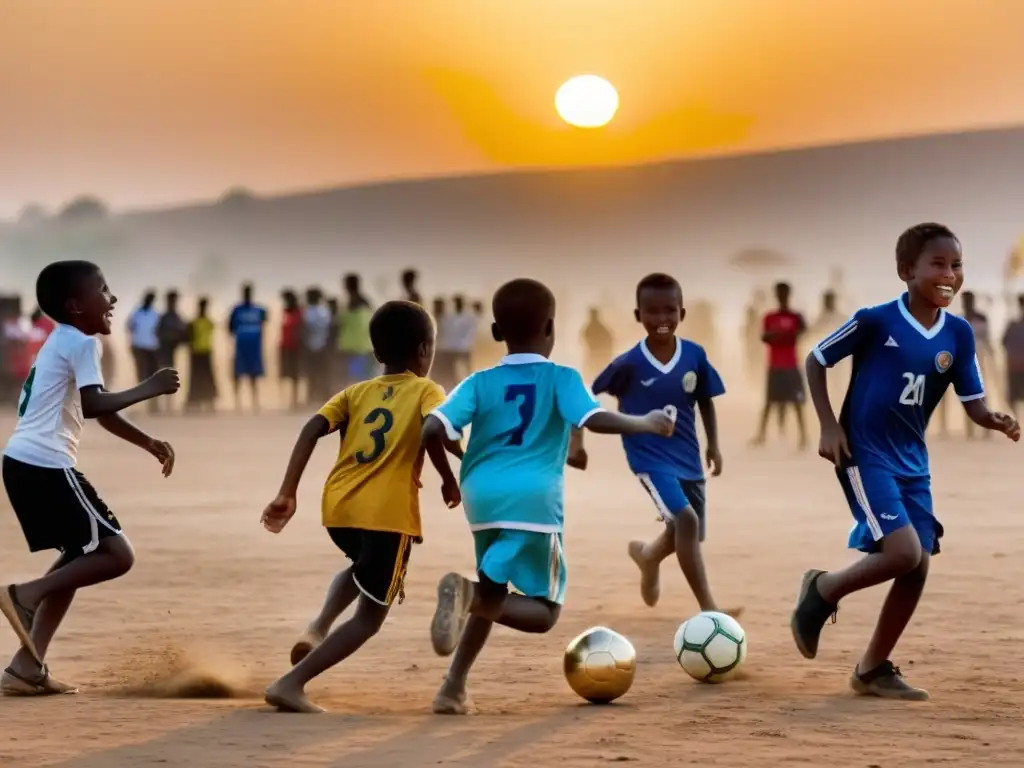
(451, 700)
(288, 699)
(305, 645)
(650, 586)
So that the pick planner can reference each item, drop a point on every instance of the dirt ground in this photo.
(215, 599)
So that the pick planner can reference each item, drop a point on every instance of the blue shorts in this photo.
(248, 363)
(533, 563)
(882, 503)
(671, 495)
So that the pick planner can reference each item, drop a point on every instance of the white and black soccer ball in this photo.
(710, 647)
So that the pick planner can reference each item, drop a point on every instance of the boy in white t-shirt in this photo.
(55, 504)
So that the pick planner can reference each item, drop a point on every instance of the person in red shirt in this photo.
(290, 369)
(780, 331)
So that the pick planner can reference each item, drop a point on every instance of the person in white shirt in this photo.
(458, 336)
(316, 332)
(143, 331)
(55, 504)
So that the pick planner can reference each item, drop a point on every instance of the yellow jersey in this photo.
(201, 335)
(373, 485)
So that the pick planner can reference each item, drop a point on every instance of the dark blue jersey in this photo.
(900, 372)
(643, 384)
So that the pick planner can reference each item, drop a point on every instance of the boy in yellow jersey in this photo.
(371, 497)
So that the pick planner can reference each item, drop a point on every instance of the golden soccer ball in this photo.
(600, 665)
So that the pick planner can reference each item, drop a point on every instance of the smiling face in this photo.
(93, 305)
(937, 274)
(660, 310)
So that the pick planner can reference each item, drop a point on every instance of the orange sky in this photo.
(146, 102)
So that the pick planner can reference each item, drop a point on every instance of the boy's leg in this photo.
(378, 572)
(288, 692)
(875, 674)
(667, 494)
(798, 409)
(340, 595)
(113, 557)
(884, 531)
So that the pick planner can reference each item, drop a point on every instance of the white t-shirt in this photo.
(316, 327)
(50, 407)
(457, 333)
(142, 325)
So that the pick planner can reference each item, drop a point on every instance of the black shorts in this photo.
(1015, 388)
(785, 385)
(379, 560)
(57, 508)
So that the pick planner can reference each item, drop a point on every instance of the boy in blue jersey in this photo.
(246, 325)
(905, 355)
(664, 371)
(512, 482)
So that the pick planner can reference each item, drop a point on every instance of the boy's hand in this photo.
(164, 454)
(451, 494)
(662, 421)
(1005, 423)
(833, 445)
(164, 382)
(577, 459)
(278, 513)
(714, 459)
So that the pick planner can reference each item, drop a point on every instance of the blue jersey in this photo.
(900, 372)
(521, 413)
(246, 323)
(643, 384)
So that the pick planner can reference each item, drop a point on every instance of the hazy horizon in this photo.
(146, 107)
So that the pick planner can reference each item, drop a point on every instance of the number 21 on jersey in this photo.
(913, 392)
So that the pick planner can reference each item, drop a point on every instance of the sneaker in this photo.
(454, 593)
(810, 615)
(886, 681)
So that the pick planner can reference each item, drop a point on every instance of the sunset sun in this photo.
(587, 101)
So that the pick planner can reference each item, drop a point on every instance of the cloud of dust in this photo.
(181, 672)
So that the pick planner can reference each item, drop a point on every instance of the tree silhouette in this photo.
(84, 208)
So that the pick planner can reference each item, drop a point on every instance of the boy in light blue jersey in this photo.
(905, 354)
(665, 371)
(512, 481)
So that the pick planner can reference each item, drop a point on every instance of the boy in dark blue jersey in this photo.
(905, 355)
(661, 371)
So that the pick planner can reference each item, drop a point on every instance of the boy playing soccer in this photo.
(905, 354)
(512, 479)
(371, 498)
(664, 371)
(55, 504)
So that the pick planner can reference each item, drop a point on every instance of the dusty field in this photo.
(216, 594)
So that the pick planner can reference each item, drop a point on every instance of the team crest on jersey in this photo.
(943, 361)
(689, 382)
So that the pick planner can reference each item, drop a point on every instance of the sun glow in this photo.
(587, 101)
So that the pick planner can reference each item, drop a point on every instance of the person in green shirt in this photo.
(354, 333)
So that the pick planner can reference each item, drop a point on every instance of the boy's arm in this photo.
(709, 417)
(971, 390)
(316, 428)
(119, 426)
(577, 458)
(608, 423)
(97, 402)
(434, 438)
(85, 365)
(282, 508)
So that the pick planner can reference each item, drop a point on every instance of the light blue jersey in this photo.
(521, 412)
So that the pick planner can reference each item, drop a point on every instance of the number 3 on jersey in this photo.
(26, 393)
(913, 392)
(387, 421)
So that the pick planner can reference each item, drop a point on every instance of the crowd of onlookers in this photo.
(322, 343)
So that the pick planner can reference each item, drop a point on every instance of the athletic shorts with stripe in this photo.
(882, 503)
(57, 508)
(671, 495)
(531, 561)
(379, 560)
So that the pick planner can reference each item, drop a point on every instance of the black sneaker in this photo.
(810, 615)
(886, 681)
